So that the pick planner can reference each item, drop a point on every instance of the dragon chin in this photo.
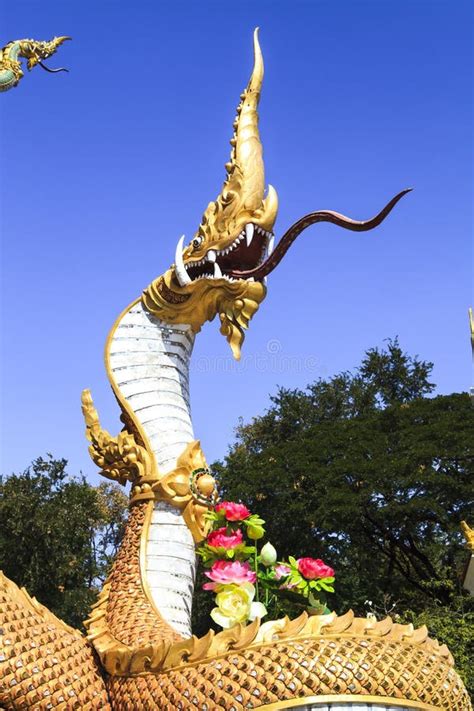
(201, 300)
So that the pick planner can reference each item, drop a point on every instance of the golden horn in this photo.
(242, 195)
(57, 41)
(248, 149)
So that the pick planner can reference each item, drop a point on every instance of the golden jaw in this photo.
(194, 291)
(246, 251)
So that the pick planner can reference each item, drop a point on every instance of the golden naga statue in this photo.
(139, 652)
(32, 50)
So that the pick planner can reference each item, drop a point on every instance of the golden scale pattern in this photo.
(44, 663)
(256, 665)
(287, 670)
(130, 616)
(50, 666)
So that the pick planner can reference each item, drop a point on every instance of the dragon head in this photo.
(236, 230)
(36, 52)
(223, 270)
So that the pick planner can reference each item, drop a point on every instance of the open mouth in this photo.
(248, 251)
(251, 255)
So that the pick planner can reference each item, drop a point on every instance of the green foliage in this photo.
(453, 626)
(58, 535)
(367, 472)
(202, 606)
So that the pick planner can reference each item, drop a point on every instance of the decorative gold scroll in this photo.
(190, 486)
(235, 302)
(468, 534)
(119, 458)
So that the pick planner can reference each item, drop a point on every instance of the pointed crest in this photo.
(242, 196)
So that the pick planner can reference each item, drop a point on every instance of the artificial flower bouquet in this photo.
(248, 579)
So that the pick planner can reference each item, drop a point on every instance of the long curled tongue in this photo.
(321, 216)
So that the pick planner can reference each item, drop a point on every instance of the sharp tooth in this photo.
(251, 279)
(265, 280)
(249, 232)
(271, 243)
(179, 268)
(217, 271)
(211, 256)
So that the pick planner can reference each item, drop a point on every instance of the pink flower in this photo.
(233, 511)
(281, 571)
(225, 572)
(287, 586)
(311, 568)
(220, 538)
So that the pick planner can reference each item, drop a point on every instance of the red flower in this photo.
(311, 568)
(220, 538)
(233, 511)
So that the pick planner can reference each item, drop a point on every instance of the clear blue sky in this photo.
(105, 167)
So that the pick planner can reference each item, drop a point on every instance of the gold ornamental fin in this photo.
(119, 458)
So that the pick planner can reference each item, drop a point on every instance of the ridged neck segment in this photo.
(148, 364)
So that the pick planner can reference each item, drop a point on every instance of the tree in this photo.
(58, 535)
(367, 472)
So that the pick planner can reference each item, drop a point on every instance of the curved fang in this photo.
(321, 216)
(179, 268)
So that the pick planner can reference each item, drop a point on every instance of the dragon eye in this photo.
(196, 242)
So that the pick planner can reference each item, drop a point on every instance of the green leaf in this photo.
(326, 586)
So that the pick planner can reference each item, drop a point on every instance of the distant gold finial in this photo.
(471, 325)
(468, 534)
